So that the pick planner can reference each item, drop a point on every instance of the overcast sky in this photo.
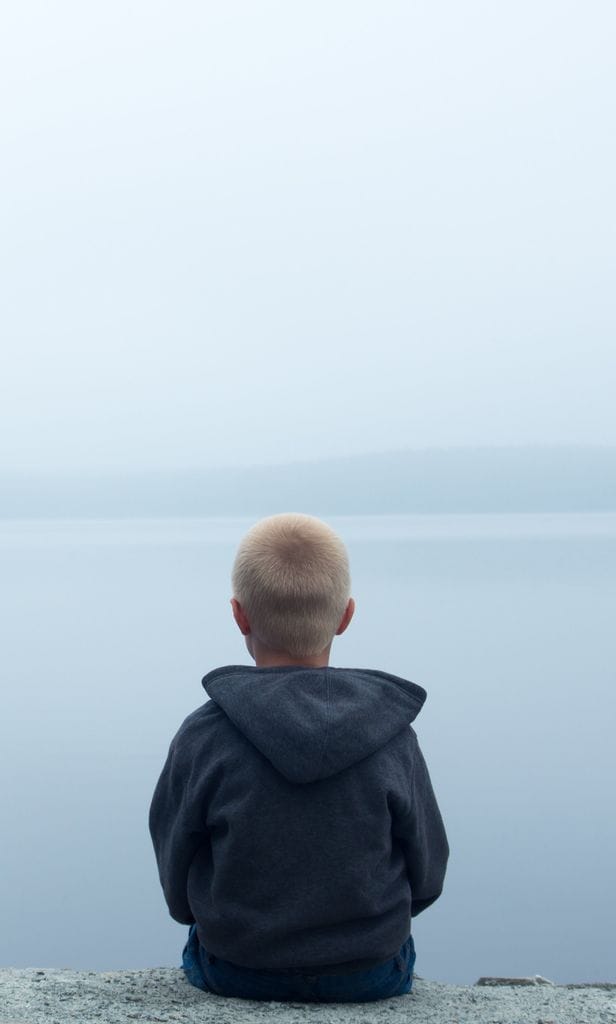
(236, 232)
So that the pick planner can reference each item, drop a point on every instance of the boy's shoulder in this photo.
(201, 727)
(205, 714)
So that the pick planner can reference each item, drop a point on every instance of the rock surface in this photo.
(163, 995)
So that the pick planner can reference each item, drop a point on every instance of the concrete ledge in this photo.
(35, 996)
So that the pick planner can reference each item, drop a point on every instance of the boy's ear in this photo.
(346, 618)
(240, 617)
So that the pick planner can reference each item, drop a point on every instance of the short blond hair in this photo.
(291, 577)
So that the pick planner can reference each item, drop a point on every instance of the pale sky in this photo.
(235, 232)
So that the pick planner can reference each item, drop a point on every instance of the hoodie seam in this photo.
(327, 723)
(413, 766)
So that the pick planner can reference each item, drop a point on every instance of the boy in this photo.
(294, 823)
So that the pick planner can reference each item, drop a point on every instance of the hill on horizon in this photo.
(562, 478)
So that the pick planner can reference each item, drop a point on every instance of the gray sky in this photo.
(252, 231)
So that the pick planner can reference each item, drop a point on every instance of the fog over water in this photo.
(506, 620)
(264, 256)
(245, 233)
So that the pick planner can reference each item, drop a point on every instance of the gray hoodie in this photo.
(295, 821)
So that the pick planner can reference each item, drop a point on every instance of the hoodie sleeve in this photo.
(420, 831)
(176, 827)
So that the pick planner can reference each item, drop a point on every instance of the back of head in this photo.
(291, 577)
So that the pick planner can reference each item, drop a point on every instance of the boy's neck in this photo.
(265, 657)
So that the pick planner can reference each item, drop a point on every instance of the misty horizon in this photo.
(479, 479)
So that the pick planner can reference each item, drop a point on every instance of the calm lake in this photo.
(507, 621)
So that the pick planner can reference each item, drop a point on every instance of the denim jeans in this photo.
(210, 973)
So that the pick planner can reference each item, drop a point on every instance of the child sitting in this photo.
(295, 827)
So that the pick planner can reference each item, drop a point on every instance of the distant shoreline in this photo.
(443, 528)
(542, 479)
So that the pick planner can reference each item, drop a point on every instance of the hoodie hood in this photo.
(311, 723)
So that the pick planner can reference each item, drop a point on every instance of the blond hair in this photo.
(291, 577)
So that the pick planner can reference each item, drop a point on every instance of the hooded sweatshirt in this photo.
(294, 820)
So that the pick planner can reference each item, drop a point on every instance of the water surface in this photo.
(108, 627)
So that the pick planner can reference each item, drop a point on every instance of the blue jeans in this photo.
(210, 973)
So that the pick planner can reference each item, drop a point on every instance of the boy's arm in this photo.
(421, 834)
(177, 831)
